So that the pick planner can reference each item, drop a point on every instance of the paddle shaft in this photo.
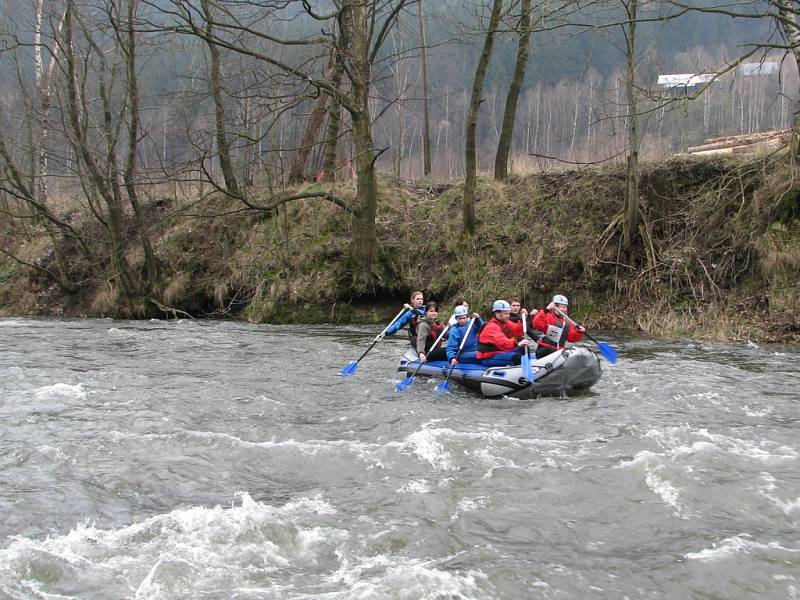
(433, 346)
(525, 333)
(566, 318)
(397, 316)
(607, 350)
(527, 369)
(460, 348)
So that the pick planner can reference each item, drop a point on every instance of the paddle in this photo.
(409, 380)
(445, 385)
(526, 358)
(607, 350)
(351, 367)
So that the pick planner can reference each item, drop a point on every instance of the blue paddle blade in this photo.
(526, 368)
(404, 384)
(442, 387)
(350, 369)
(608, 351)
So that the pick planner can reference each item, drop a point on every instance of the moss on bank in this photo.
(717, 255)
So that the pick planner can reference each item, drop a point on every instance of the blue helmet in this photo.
(501, 306)
(461, 311)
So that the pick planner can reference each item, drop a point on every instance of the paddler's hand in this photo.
(380, 336)
(422, 357)
(550, 306)
(581, 328)
(453, 362)
(408, 307)
(524, 343)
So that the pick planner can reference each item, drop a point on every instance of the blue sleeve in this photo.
(453, 342)
(400, 323)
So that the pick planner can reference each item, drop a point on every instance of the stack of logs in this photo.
(744, 144)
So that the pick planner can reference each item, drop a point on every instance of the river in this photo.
(221, 460)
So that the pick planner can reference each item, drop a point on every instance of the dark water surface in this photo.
(220, 460)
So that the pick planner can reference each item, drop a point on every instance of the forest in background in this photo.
(125, 121)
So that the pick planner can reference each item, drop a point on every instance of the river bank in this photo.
(717, 255)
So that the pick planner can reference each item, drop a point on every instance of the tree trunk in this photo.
(150, 267)
(471, 176)
(102, 178)
(509, 115)
(426, 122)
(788, 23)
(334, 123)
(363, 250)
(223, 146)
(311, 131)
(630, 222)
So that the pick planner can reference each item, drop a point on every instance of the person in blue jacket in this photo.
(414, 312)
(457, 332)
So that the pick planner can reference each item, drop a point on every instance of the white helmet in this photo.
(559, 299)
(461, 311)
(501, 305)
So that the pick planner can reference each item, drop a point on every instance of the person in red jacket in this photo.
(499, 340)
(557, 331)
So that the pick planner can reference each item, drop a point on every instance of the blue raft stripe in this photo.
(441, 364)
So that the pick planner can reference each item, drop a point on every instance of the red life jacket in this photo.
(486, 347)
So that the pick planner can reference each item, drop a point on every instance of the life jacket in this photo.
(487, 347)
(436, 330)
(412, 325)
(556, 335)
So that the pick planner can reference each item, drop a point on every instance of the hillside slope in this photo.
(718, 255)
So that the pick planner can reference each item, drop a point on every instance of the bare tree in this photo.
(362, 27)
(510, 111)
(313, 124)
(334, 122)
(220, 117)
(470, 150)
(426, 118)
(631, 206)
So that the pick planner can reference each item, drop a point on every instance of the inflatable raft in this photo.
(560, 373)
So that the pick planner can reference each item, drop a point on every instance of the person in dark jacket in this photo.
(516, 308)
(557, 331)
(428, 331)
(456, 334)
(500, 341)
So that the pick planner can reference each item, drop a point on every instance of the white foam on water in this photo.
(740, 544)
(55, 453)
(363, 450)
(14, 323)
(642, 457)
(170, 555)
(654, 467)
(788, 507)
(674, 440)
(404, 579)
(415, 486)
(425, 444)
(60, 391)
(116, 332)
(760, 412)
(466, 505)
(666, 491)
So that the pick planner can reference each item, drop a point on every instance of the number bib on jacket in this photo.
(556, 334)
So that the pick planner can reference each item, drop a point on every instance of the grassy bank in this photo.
(717, 256)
